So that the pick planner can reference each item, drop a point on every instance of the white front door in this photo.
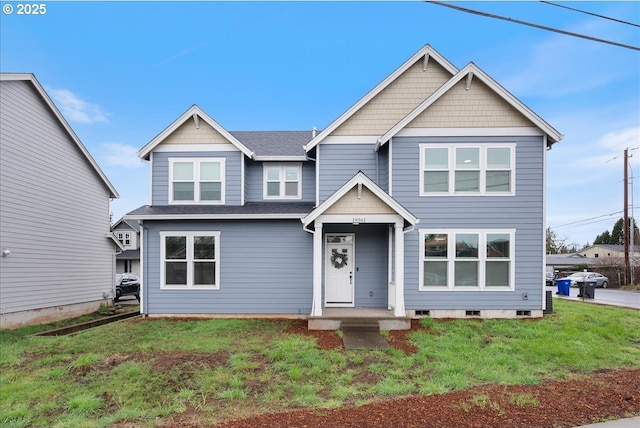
(339, 270)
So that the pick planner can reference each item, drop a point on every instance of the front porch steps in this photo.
(365, 320)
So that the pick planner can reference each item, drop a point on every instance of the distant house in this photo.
(128, 233)
(566, 262)
(425, 198)
(57, 253)
(607, 250)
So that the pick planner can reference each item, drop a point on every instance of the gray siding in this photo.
(54, 210)
(522, 212)
(254, 181)
(160, 175)
(265, 267)
(339, 162)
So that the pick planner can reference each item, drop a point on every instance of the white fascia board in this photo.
(350, 139)
(427, 49)
(113, 237)
(298, 216)
(45, 97)
(492, 84)
(198, 147)
(470, 132)
(187, 115)
(281, 158)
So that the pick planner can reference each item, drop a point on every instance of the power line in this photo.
(530, 24)
(591, 13)
(586, 220)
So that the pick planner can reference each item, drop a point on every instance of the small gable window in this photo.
(196, 181)
(282, 181)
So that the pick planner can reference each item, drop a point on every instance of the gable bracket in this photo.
(359, 190)
(196, 120)
(425, 61)
(469, 78)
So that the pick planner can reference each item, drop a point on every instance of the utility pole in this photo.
(627, 274)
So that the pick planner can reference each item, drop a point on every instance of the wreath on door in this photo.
(338, 260)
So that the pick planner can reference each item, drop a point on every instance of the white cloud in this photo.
(74, 109)
(121, 155)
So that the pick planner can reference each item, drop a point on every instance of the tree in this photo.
(616, 237)
(559, 245)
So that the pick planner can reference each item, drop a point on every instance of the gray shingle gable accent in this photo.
(275, 143)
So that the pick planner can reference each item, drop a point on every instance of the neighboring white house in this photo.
(607, 250)
(57, 252)
(128, 233)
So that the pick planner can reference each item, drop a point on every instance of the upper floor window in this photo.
(196, 181)
(124, 238)
(466, 259)
(282, 181)
(467, 169)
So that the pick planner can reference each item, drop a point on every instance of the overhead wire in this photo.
(531, 24)
(590, 13)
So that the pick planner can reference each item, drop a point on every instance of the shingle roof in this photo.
(248, 210)
(274, 143)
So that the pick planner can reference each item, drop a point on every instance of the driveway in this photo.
(606, 296)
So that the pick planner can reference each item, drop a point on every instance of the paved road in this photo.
(606, 296)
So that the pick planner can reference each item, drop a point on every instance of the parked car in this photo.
(127, 284)
(601, 280)
(550, 275)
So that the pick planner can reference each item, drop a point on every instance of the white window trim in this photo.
(483, 168)
(282, 181)
(196, 174)
(482, 259)
(189, 260)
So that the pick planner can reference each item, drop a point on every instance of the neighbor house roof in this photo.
(133, 225)
(250, 210)
(31, 78)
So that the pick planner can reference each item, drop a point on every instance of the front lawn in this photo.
(143, 372)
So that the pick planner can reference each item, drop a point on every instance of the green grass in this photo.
(144, 371)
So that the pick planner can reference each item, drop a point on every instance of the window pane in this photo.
(435, 245)
(273, 173)
(498, 181)
(204, 273)
(291, 189)
(273, 189)
(175, 247)
(498, 245)
(183, 191)
(497, 273)
(436, 158)
(204, 247)
(435, 273)
(183, 171)
(210, 191)
(467, 245)
(499, 158)
(468, 158)
(175, 273)
(467, 181)
(210, 171)
(436, 181)
(291, 173)
(466, 273)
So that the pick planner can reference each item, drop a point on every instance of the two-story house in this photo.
(128, 233)
(425, 198)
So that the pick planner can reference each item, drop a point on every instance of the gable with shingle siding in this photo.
(479, 106)
(396, 100)
(188, 133)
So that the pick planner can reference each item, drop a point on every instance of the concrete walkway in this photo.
(620, 423)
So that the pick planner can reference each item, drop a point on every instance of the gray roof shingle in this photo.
(266, 209)
(274, 143)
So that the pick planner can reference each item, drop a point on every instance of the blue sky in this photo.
(121, 72)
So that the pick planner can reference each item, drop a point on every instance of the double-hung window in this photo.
(458, 259)
(466, 169)
(196, 181)
(190, 260)
(282, 181)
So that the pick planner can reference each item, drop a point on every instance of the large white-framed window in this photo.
(190, 260)
(465, 259)
(196, 180)
(282, 181)
(467, 169)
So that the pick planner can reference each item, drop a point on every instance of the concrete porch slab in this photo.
(355, 338)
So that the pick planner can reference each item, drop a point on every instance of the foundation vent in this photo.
(523, 313)
(423, 312)
(472, 313)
